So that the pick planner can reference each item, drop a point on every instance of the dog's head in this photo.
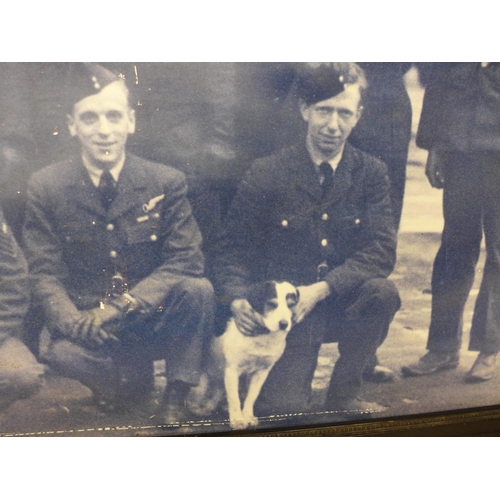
(275, 303)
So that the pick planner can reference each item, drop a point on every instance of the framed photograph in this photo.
(211, 249)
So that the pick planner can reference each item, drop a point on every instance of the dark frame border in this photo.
(481, 421)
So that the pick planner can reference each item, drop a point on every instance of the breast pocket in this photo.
(143, 229)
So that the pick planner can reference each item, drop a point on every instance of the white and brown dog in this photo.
(234, 354)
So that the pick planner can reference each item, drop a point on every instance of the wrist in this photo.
(124, 304)
(322, 290)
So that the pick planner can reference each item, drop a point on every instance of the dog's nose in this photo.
(283, 324)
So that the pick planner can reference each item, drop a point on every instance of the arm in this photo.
(434, 169)
(239, 245)
(47, 270)
(14, 296)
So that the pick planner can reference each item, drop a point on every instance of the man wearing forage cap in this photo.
(317, 215)
(114, 255)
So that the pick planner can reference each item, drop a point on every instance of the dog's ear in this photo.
(259, 293)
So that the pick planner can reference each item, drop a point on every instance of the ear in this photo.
(71, 125)
(259, 293)
(360, 113)
(304, 110)
(131, 119)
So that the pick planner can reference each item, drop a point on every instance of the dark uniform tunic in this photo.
(281, 227)
(148, 238)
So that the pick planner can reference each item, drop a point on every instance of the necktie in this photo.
(107, 188)
(327, 173)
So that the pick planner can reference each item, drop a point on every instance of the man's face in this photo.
(102, 123)
(331, 121)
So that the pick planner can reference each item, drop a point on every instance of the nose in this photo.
(104, 128)
(333, 122)
(283, 324)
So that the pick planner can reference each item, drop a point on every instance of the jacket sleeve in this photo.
(14, 295)
(243, 235)
(376, 257)
(181, 251)
(44, 255)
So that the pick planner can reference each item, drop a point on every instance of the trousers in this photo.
(178, 333)
(359, 323)
(471, 207)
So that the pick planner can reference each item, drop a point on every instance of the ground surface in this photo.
(63, 406)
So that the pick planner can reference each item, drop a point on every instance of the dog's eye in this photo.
(271, 305)
(291, 300)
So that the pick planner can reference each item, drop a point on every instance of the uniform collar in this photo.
(95, 173)
(333, 162)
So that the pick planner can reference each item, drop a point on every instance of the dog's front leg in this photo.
(231, 382)
(256, 382)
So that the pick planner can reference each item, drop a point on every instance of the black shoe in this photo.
(432, 362)
(379, 374)
(482, 369)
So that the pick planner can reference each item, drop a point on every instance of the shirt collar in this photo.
(333, 162)
(95, 173)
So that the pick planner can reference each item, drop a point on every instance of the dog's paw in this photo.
(252, 421)
(238, 425)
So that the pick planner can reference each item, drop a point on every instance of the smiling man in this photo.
(318, 215)
(114, 255)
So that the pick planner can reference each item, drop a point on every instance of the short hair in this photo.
(320, 81)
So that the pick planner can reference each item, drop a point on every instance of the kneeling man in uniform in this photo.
(20, 373)
(318, 215)
(114, 255)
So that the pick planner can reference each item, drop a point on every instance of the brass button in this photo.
(110, 227)
(113, 254)
(324, 217)
(324, 242)
(357, 222)
(284, 223)
(153, 237)
(156, 215)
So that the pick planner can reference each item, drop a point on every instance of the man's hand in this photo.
(309, 297)
(89, 327)
(434, 169)
(247, 320)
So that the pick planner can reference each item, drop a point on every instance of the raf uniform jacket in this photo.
(461, 110)
(279, 226)
(14, 291)
(74, 247)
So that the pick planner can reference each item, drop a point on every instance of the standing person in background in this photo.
(460, 127)
(384, 130)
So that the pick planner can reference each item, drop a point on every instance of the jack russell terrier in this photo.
(234, 354)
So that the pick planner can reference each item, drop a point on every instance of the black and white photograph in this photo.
(238, 248)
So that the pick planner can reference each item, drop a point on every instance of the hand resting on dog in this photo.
(309, 297)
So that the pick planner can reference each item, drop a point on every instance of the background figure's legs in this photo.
(455, 262)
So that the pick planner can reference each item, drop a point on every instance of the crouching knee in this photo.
(20, 373)
(381, 295)
(198, 291)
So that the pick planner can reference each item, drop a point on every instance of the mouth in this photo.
(330, 139)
